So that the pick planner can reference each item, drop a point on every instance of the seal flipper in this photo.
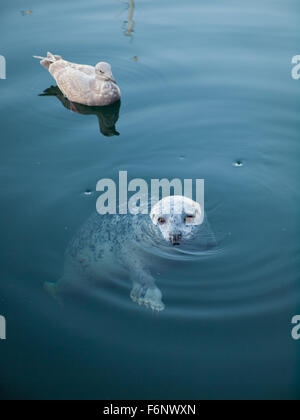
(52, 289)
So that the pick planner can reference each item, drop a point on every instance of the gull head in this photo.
(103, 70)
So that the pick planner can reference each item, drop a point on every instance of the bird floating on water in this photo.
(83, 84)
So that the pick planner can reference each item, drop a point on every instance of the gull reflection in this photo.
(107, 115)
(128, 24)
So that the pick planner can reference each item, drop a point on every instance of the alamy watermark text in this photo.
(2, 328)
(2, 67)
(296, 328)
(114, 198)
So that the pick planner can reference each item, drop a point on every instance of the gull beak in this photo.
(109, 78)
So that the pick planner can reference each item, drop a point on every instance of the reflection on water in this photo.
(128, 24)
(107, 115)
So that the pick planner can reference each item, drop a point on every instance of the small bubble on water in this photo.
(238, 163)
(87, 192)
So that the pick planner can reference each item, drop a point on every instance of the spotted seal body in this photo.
(109, 242)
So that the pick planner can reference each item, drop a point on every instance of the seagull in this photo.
(83, 84)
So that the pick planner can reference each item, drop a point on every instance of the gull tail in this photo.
(47, 61)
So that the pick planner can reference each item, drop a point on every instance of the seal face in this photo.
(106, 240)
(176, 217)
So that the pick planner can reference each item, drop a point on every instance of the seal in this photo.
(107, 241)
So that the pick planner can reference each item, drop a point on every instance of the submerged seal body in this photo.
(105, 241)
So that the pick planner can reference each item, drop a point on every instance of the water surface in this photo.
(204, 85)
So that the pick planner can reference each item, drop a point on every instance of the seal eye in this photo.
(161, 220)
(189, 218)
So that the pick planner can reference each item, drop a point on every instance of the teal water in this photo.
(204, 85)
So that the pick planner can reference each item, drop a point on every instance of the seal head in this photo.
(176, 217)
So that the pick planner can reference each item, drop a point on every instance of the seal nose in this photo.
(175, 238)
